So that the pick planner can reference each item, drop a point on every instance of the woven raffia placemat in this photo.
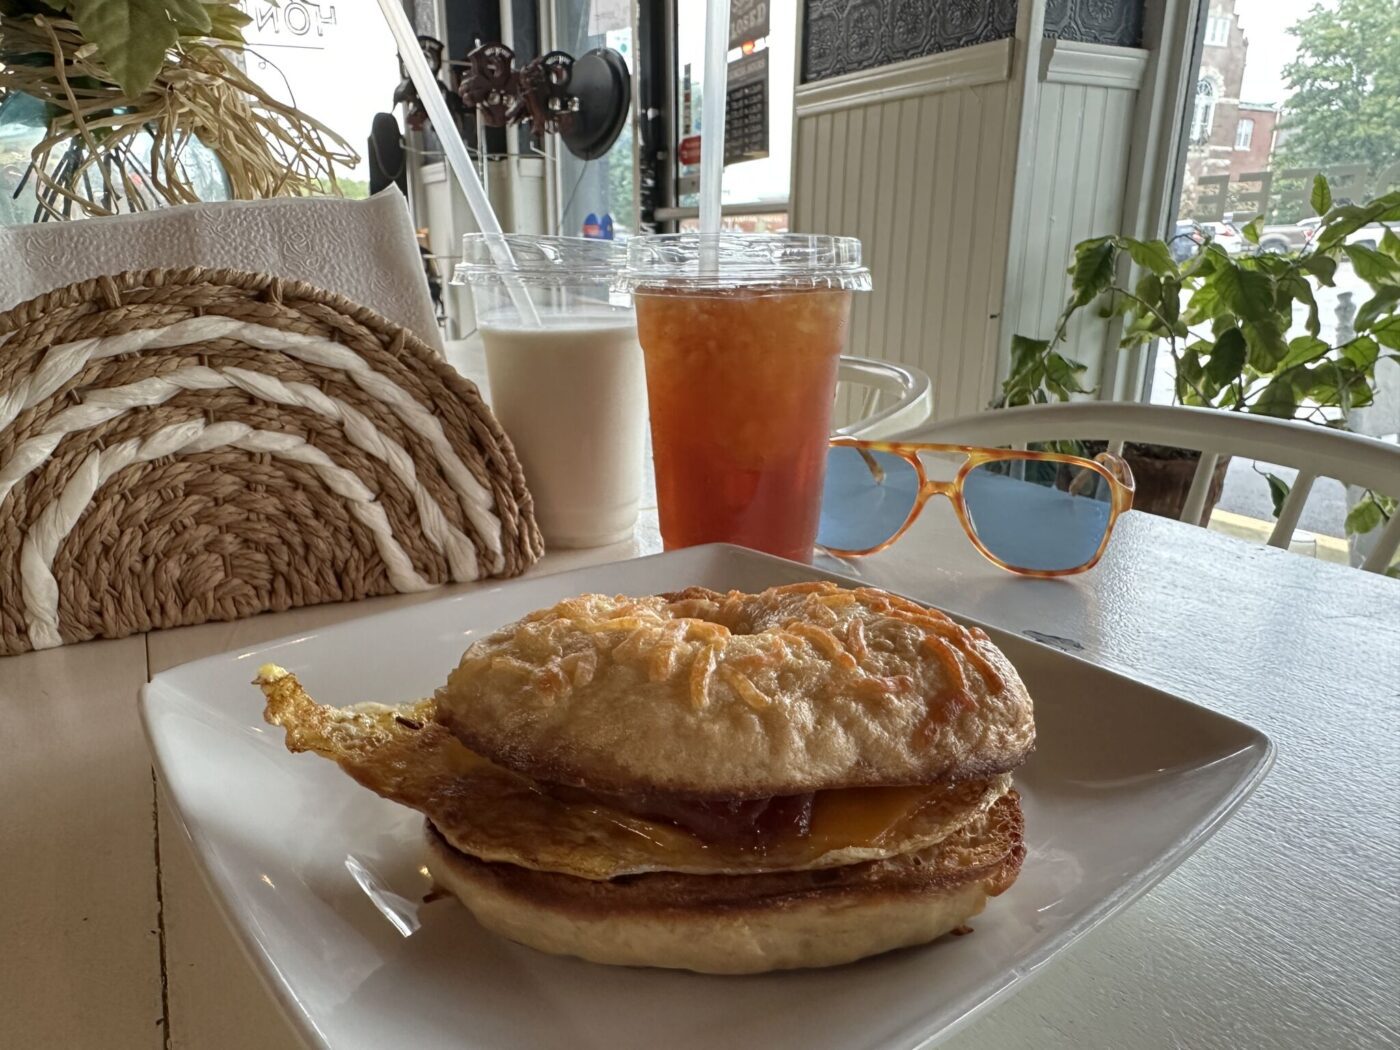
(178, 446)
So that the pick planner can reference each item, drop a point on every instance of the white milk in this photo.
(572, 397)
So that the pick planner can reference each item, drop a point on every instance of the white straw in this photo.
(431, 96)
(712, 128)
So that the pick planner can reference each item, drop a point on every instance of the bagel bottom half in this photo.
(735, 924)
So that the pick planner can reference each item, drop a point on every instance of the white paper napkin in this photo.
(365, 250)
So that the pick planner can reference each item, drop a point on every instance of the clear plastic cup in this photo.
(570, 392)
(742, 335)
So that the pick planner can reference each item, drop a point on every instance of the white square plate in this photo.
(321, 879)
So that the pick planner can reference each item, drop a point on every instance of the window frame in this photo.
(1244, 129)
(669, 213)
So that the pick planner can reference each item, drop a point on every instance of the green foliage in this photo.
(1371, 511)
(355, 189)
(1152, 255)
(1321, 195)
(1092, 269)
(1344, 89)
(1226, 319)
(1040, 372)
(1278, 492)
(134, 37)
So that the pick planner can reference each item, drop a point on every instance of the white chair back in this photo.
(880, 398)
(1314, 451)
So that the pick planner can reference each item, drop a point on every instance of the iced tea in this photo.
(740, 383)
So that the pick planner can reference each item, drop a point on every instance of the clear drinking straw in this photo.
(431, 96)
(712, 130)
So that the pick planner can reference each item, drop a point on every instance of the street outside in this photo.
(1246, 490)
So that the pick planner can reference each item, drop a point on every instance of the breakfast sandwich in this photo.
(727, 783)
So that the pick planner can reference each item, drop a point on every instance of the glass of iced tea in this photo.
(742, 334)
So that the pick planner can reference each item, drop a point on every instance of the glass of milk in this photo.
(566, 376)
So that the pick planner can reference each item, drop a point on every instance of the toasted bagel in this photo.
(744, 923)
(702, 695)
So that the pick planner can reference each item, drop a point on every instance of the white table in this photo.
(1282, 932)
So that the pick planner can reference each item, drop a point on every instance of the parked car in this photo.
(1186, 239)
(1367, 236)
(1189, 235)
(1285, 238)
(1227, 236)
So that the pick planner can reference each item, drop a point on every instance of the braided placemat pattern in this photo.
(178, 446)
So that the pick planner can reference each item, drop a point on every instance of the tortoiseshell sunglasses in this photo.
(1033, 513)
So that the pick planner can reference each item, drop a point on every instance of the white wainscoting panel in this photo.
(1075, 178)
(912, 159)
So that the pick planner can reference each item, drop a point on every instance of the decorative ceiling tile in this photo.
(846, 36)
(1095, 21)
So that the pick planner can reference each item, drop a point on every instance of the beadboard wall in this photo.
(1077, 172)
(914, 159)
(925, 161)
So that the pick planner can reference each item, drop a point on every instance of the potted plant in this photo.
(1225, 320)
(130, 102)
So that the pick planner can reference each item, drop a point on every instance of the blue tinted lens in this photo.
(867, 497)
(1038, 515)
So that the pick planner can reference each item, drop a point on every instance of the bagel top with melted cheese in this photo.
(699, 695)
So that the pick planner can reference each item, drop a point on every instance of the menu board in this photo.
(746, 109)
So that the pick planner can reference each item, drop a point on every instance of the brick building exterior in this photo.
(1227, 137)
(1254, 138)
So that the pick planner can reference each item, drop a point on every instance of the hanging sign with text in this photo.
(289, 23)
(748, 21)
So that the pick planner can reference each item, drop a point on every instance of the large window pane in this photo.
(300, 52)
(607, 185)
(1287, 89)
(759, 181)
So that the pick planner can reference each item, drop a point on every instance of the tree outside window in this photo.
(1343, 105)
(1286, 89)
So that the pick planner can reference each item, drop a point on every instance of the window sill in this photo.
(749, 208)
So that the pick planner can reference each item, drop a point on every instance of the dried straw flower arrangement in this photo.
(110, 73)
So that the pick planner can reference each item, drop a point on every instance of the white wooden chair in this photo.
(878, 398)
(1313, 450)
